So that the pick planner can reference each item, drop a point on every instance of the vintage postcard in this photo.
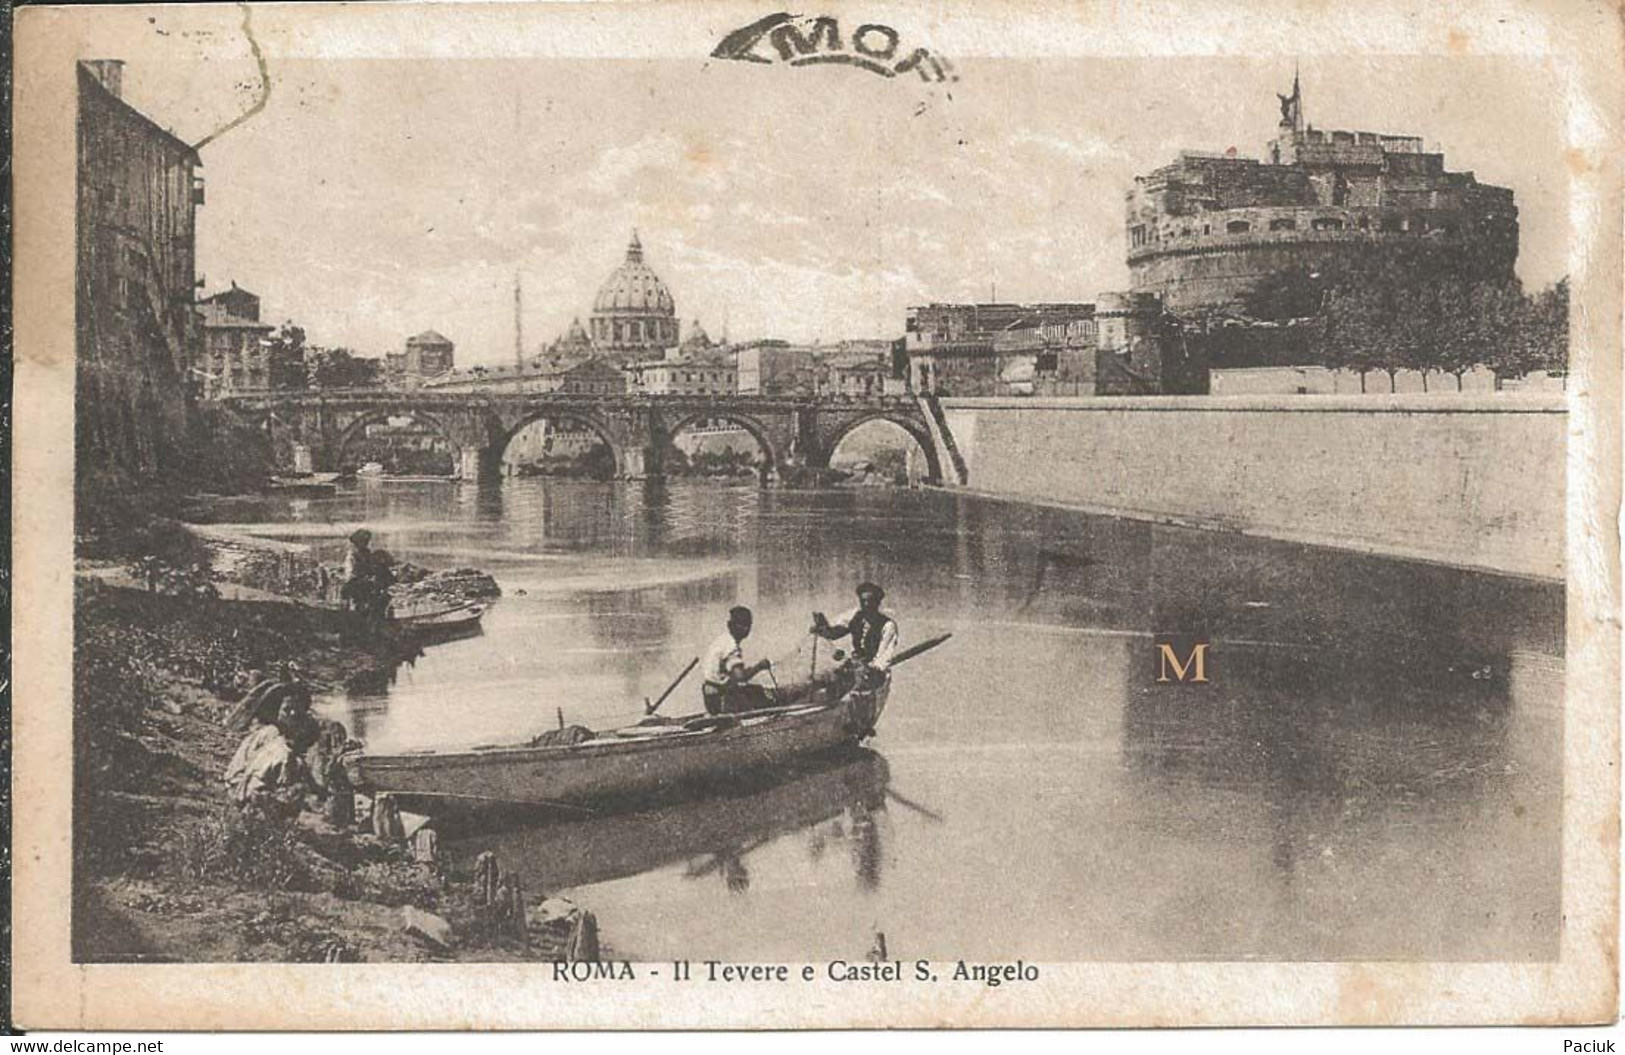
(885, 514)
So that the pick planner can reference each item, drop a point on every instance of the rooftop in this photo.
(429, 337)
(88, 82)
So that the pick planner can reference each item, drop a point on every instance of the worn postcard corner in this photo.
(691, 515)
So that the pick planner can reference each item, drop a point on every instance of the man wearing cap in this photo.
(366, 578)
(727, 687)
(873, 632)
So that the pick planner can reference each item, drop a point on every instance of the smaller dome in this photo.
(697, 337)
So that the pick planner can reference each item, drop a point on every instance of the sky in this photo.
(373, 198)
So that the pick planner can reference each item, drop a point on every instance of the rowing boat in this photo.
(442, 624)
(626, 764)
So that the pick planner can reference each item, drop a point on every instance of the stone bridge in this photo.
(311, 430)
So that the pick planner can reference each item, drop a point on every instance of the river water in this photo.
(1371, 772)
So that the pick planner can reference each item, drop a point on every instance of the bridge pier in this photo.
(642, 463)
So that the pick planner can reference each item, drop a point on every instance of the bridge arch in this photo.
(915, 430)
(751, 425)
(375, 417)
(596, 424)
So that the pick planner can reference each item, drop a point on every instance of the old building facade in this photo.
(775, 368)
(1206, 230)
(1000, 348)
(1140, 350)
(237, 357)
(136, 334)
(588, 377)
(1121, 344)
(427, 356)
(678, 374)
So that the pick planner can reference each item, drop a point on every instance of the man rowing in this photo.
(873, 633)
(727, 688)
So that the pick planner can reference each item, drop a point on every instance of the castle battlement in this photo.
(1207, 228)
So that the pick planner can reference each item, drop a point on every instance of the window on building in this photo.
(1283, 223)
(1136, 234)
(1328, 223)
(1238, 227)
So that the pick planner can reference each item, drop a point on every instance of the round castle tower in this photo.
(1206, 230)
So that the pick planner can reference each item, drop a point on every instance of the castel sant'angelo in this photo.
(1205, 230)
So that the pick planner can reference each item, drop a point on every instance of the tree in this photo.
(1550, 326)
(285, 357)
(1349, 330)
(1494, 318)
(1377, 317)
(1515, 338)
(1291, 293)
(341, 368)
(1457, 339)
(1414, 328)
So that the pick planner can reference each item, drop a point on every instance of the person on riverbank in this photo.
(367, 579)
(268, 772)
(873, 634)
(727, 688)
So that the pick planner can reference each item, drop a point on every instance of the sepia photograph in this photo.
(886, 501)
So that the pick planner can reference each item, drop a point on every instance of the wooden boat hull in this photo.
(463, 621)
(625, 765)
(301, 488)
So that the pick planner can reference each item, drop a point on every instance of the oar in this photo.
(914, 650)
(915, 806)
(650, 708)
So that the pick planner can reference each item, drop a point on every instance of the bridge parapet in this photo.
(639, 428)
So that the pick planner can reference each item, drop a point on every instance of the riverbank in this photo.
(165, 870)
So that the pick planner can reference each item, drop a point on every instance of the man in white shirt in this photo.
(727, 688)
(873, 632)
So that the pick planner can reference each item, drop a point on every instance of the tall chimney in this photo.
(109, 72)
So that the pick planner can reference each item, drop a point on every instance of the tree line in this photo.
(1385, 319)
(297, 365)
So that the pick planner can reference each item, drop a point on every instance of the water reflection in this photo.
(1374, 771)
(712, 835)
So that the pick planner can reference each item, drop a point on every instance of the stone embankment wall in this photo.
(1473, 481)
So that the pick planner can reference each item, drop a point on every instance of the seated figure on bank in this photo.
(268, 771)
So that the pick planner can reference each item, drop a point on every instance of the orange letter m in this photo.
(1167, 657)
